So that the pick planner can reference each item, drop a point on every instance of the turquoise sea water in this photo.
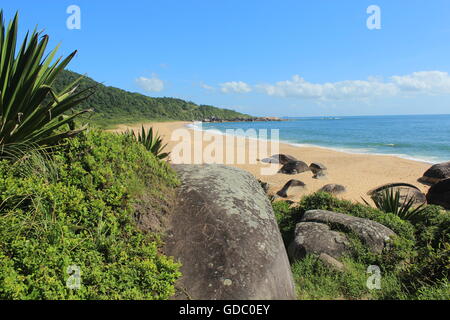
(418, 137)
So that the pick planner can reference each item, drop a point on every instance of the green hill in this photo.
(114, 106)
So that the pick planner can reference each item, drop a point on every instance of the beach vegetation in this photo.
(32, 112)
(151, 141)
(70, 199)
(416, 264)
(389, 200)
(75, 207)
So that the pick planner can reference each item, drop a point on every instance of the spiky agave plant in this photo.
(389, 200)
(152, 141)
(31, 112)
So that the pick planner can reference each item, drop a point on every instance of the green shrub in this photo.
(286, 220)
(439, 291)
(82, 214)
(432, 262)
(433, 226)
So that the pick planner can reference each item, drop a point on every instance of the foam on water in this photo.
(420, 138)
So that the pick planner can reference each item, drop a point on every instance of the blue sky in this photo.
(274, 58)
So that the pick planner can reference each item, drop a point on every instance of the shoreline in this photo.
(359, 173)
(342, 150)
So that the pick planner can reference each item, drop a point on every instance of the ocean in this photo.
(416, 137)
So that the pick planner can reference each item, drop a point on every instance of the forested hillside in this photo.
(113, 105)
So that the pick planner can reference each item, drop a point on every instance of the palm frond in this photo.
(31, 112)
(389, 200)
(151, 141)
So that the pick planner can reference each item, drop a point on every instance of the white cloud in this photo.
(299, 87)
(235, 87)
(207, 87)
(423, 83)
(152, 84)
(428, 82)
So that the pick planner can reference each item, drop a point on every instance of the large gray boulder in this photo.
(334, 189)
(373, 234)
(317, 238)
(224, 233)
(294, 167)
(290, 184)
(439, 194)
(317, 167)
(319, 170)
(279, 158)
(436, 173)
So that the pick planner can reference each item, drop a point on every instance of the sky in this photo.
(265, 58)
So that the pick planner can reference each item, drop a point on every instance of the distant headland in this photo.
(252, 119)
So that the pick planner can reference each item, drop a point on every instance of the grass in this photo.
(315, 281)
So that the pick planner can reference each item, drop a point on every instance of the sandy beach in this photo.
(359, 173)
